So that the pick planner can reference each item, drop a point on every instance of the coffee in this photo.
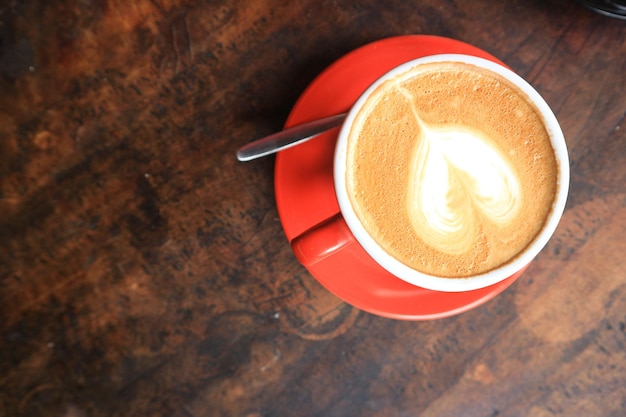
(451, 169)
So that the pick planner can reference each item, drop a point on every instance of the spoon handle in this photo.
(288, 138)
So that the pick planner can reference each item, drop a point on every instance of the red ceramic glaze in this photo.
(305, 193)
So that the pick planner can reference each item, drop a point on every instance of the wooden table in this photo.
(144, 270)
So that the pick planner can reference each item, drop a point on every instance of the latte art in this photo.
(450, 169)
(457, 180)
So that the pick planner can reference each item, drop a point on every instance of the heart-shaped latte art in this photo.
(458, 180)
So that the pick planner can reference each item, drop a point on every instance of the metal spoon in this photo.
(288, 138)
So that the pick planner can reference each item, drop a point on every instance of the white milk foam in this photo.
(457, 176)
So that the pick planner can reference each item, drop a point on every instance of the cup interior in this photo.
(491, 277)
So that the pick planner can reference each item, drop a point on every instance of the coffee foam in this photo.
(445, 166)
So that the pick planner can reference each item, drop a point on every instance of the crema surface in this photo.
(451, 169)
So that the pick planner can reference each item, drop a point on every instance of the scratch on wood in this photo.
(619, 122)
(188, 38)
(174, 47)
(181, 42)
(158, 7)
(33, 392)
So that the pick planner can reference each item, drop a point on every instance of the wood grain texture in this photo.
(144, 271)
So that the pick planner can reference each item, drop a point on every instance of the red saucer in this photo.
(305, 192)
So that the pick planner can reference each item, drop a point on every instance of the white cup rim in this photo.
(410, 275)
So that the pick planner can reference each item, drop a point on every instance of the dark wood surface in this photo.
(144, 271)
